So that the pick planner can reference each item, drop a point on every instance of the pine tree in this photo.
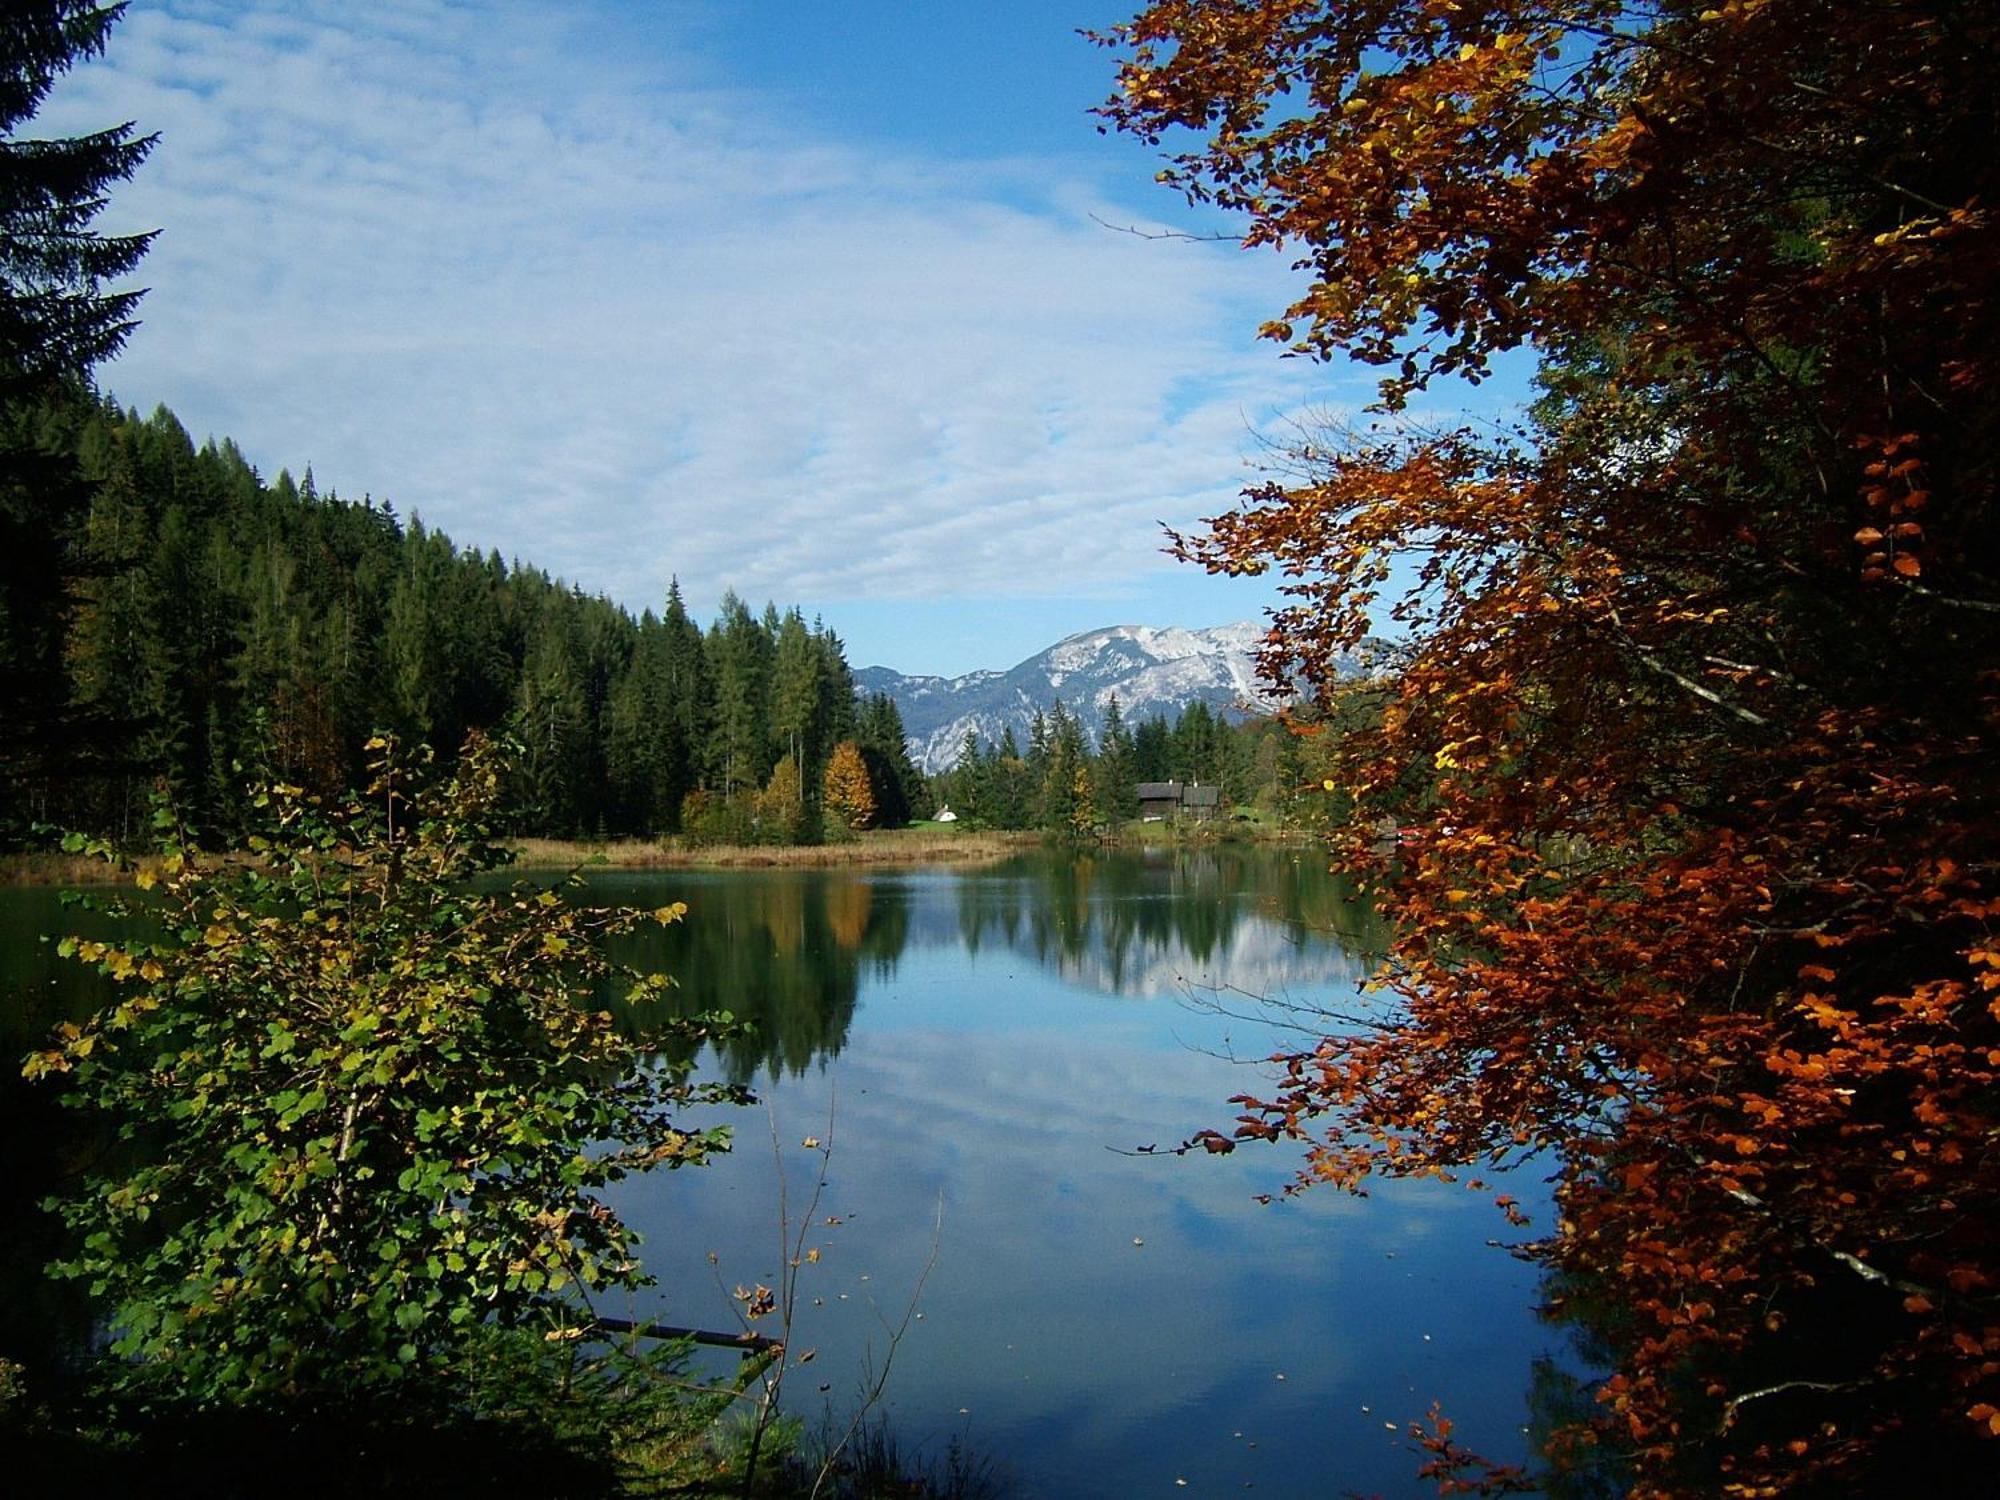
(1196, 748)
(739, 666)
(1116, 783)
(551, 720)
(56, 322)
(55, 317)
(688, 702)
(1152, 750)
(637, 732)
(900, 792)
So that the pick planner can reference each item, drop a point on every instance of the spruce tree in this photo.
(1116, 783)
(57, 320)
(900, 792)
(688, 703)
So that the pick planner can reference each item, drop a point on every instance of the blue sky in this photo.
(815, 301)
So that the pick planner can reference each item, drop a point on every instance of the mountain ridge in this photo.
(1149, 669)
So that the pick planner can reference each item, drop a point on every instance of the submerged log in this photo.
(748, 1343)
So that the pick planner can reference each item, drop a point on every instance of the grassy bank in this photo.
(921, 844)
(48, 867)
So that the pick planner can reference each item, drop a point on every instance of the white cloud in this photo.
(586, 308)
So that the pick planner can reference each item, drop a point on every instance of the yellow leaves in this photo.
(42, 1064)
(216, 936)
(666, 915)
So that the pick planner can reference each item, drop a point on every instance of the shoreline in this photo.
(875, 849)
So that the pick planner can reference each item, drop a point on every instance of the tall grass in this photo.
(899, 846)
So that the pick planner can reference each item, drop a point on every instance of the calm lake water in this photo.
(982, 1049)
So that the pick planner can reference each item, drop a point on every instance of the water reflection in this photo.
(1260, 920)
(788, 951)
(783, 952)
(1108, 1325)
(44, 1324)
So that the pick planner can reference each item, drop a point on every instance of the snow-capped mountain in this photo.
(1150, 671)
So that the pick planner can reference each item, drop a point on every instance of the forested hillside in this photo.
(211, 623)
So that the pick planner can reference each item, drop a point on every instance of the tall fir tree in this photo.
(58, 318)
(1116, 782)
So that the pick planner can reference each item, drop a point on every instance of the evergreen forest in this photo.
(198, 625)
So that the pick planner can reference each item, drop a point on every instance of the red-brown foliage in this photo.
(1696, 717)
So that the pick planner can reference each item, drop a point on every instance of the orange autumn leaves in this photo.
(1693, 727)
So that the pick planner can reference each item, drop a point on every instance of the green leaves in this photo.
(376, 1098)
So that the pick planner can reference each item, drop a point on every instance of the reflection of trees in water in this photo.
(1118, 921)
(44, 1324)
(1816, 1361)
(785, 951)
(782, 952)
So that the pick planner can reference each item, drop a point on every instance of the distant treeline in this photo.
(1061, 783)
(214, 625)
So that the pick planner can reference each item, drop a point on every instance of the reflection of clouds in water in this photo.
(1124, 1353)
(1260, 960)
(1248, 922)
(984, 1066)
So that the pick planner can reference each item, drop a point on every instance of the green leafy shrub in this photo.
(369, 1102)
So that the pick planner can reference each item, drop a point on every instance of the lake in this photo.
(983, 1051)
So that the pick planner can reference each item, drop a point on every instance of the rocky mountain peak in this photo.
(1148, 669)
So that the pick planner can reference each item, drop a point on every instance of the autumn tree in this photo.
(783, 814)
(844, 787)
(1699, 693)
